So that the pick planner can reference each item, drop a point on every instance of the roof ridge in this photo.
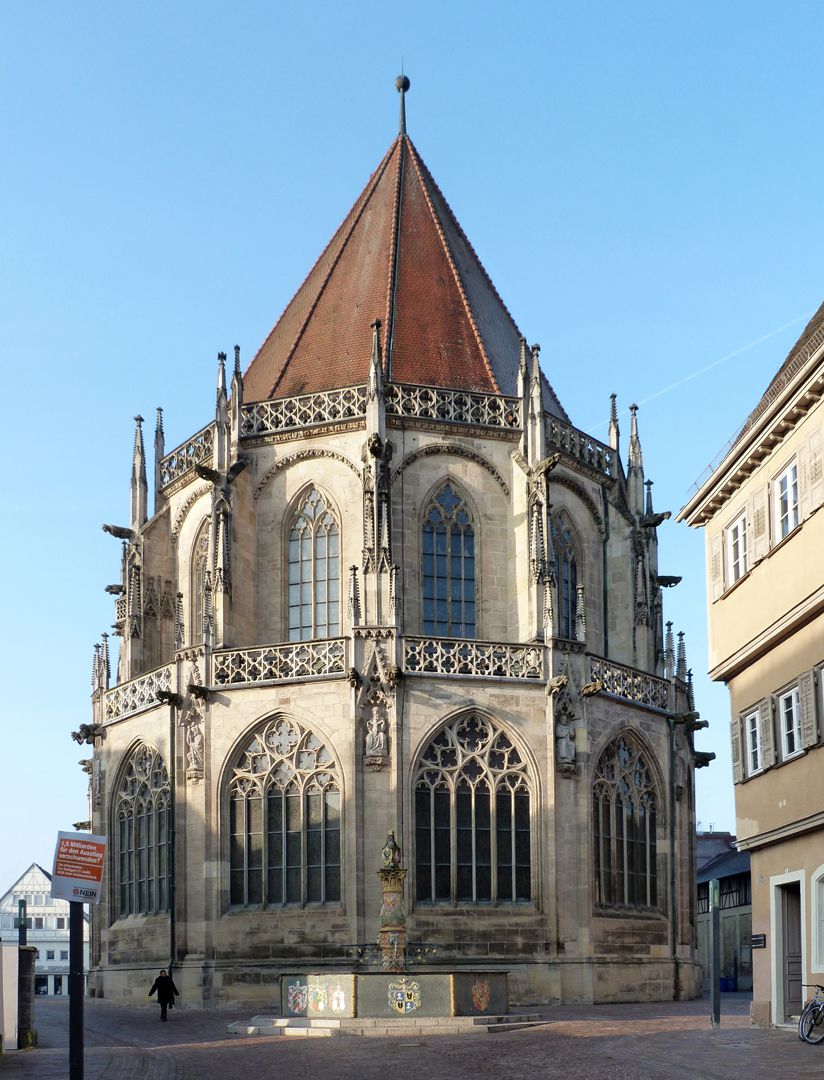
(355, 213)
(394, 240)
(418, 162)
(467, 241)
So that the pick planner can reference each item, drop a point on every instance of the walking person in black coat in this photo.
(166, 992)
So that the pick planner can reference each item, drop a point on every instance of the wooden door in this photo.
(791, 948)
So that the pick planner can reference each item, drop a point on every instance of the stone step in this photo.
(323, 1027)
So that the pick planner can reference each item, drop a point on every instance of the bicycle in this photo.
(811, 1021)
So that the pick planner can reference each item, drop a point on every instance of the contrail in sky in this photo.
(715, 363)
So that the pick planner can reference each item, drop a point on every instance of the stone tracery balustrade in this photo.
(291, 660)
(195, 451)
(137, 694)
(328, 406)
(569, 440)
(455, 406)
(631, 684)
(483, 659)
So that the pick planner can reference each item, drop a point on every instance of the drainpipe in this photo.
(671, 721)
(171, 834)
(691, 721)
(605, 588)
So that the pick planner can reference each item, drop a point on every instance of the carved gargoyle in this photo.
(393, 676)
(86, 733)
(557, 683)
(353, 677)
(115, 590)
(652, 521)
(375, 445)
(590, 688)
(119, 531)
(169, 697)
(667, 581)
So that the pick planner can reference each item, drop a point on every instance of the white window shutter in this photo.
(766, 735)
(735, 744)
(802, 462)
(760, 525)
(806, 699)
(716, 567)
(815, 467)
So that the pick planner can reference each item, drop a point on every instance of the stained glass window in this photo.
(314, 571)
(625, 827)
(284, 820)
(448, 544)
(472, 817)
(142, 835)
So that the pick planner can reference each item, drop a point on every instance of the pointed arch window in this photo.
(200, 569)
(625, 827)
(314, 571)
(284, 820)
(448, 546)
(566, 574)
(141, 814)
(472, 817)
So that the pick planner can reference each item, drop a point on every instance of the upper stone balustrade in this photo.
(481, 659)
(195, 451)
(629, 683)
(582, 447)
(278, 663)
(138, 694)
(453, 406)
(261, 418)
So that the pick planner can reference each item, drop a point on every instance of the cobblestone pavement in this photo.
(582, 1042)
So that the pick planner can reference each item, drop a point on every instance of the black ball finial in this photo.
(402, 84)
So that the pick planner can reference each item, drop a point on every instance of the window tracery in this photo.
(314, 571)
(625, 827)
(284, 819)
(200, 569)
(566, 574)
(472, 817)
(448, 557)
(141, 812)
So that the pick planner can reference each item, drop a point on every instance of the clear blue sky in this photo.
(642, 181)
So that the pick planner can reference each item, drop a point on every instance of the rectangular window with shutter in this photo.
(753, 743)
(736, 538)
(789, 713)
(786, 501)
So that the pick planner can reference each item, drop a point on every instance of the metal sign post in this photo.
(715, 950)
(78, 873)
(22, 923)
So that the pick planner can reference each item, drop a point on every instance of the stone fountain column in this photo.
(392, 932)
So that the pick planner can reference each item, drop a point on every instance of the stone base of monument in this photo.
(346, 1003)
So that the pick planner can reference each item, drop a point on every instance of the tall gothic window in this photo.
(314, 571)
(284, 820)
(141, 815)
(624, 815)
(200, 567)
(472, 817)
(448, 567)
(566, 573)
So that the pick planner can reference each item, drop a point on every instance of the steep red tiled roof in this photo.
(401, 256)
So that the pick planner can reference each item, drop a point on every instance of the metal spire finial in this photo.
(402, 84)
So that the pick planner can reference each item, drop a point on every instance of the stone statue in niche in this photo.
(375, 745)
(391, 854)
(194, 745)
(565, 741)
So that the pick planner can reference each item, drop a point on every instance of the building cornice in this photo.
(783, 832)
(754, 445)
(770, 636)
